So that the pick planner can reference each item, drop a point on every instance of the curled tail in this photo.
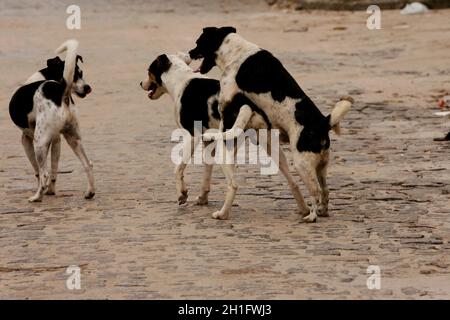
(71, 47)
(338, 113)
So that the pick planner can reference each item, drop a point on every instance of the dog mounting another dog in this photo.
(256, 74)
(43, 109)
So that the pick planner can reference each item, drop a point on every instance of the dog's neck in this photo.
(176, 78)
(234, 50)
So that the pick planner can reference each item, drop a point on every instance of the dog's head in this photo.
(207, 45)
(55, 70)
(162, 64)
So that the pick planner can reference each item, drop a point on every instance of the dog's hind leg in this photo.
(74, 140)
(42, 142)
(202, 199)
(55, 155)
(322, 176)
(27, 143)
(188, 151)
(306, 164)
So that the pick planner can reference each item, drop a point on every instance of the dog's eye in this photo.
(81, 74)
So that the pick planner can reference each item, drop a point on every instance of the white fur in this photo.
(71, 47)
(338, 113)
(37, 76)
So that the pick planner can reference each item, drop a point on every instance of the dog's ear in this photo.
(210, 29)
(228, 30)
(159, 66)
(79, 58)
(56, 61)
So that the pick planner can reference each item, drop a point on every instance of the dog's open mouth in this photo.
(151, 90)
(200, 66)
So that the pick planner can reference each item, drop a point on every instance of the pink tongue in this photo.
(150, 93)
(197, 70)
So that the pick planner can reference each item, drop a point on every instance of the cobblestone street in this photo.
(389, 182)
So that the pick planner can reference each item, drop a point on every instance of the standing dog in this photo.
(196, 99)
(255, 73)
(43, 109)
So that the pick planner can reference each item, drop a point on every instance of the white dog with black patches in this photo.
(196, 99)
(43, 109)
(256, 74)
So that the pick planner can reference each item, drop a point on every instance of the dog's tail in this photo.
(338, 113)
(71, 47)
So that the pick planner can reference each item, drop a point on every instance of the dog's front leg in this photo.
(306, 164)
(322, 176)
(244, 115)
(228, 168)
(55, 155)
(232, 186)
(74, 140)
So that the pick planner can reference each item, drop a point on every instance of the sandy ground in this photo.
(390, 202)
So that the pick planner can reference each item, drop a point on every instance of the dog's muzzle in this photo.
(194, 54)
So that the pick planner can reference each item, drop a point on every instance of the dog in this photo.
(43, 109)
(196, 99)
(255, 73)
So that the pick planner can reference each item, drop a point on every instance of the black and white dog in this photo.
(43, 108)
(196, 99)
(255, 73)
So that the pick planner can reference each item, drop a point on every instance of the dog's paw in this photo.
(89, 195)
(182, 199)
(35, 198)
(49, 192)
(201, 200)
(310, 218)
(220, 215)
(303, 212)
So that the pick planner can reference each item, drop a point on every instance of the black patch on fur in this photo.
(314, 136)
(207, 45)
(194, 102)
(159, 66)
(54, 91)
(21, 104)
(231, 111)
(215, 110)
(263, 73)
(54, 70)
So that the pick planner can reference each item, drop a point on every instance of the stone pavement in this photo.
(390, 202)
